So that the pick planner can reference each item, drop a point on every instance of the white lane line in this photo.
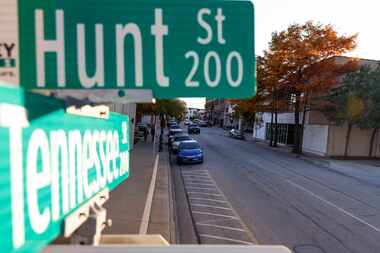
(204, 193)
(222, 227)
(249, 233)
(199, 180)
(205, 199)
(195, 172)
(212, 206)
(149, 199)
(218, 215)
(201, 188)
(200, 184)
(196, 176)
(333, 205)
(225, 239)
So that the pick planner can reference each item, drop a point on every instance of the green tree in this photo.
(347, 104)
(370, 92)
(305, 52)
(175, 108)
(265, 99)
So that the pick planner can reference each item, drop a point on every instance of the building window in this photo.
(285, 133)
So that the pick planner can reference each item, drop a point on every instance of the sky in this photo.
(347, 16)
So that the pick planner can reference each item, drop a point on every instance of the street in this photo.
(248, 193)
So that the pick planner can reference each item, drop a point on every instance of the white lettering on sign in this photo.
(189, 79)
(216, 59)
(37, 179)
(213, 57)
(121, 32)
(211, 22)
(97, 80)
(234, 55)
(69, 166)
(205, 26)
(15, 118)
(219, 20)
(219, 17)
(159, 30)
(57, 46)
(59, 150)
(212, 60)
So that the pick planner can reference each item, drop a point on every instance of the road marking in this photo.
(248, 231)
(225, 239)
(222, 227)
(218, 215)
(217, 207)
(195, 172)
(204, 193)
(200, 184)
(149, 199)
(333, 205)
(198, 180)
(215, 200)
(196, 176)
(202, 188)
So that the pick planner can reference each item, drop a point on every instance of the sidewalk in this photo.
(127, 202)
(162, 220)
(365, 170)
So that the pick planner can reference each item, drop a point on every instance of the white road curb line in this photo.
(149, 199)
(225, 239)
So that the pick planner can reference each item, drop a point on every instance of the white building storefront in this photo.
(320, 137)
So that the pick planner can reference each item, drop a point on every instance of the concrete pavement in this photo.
(127, 202)
(286, 200)
(162, 215)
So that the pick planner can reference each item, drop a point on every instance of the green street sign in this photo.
(51, 163)
(184, 48)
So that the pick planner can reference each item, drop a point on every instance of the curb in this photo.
(181, 210)
(172, 216)
(162, 218)
(321, 163)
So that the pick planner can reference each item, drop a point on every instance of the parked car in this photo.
(193, 129)
(171, 123)
(203, 123)
(175, 126)
(234, 133)
(140, 130)
(176, 141)
(187, 122)
(172, 133)
(174, 130)
(189, 152)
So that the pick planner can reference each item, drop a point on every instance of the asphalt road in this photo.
(277, 198)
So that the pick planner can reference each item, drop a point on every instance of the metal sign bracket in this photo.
(85, 225)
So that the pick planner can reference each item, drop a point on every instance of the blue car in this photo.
(189, 152)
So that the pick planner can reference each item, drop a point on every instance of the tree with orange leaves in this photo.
(272, 80)
(307, 65)
(247, 108)
(269, 94)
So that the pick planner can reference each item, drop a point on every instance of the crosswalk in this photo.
(216, 222)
